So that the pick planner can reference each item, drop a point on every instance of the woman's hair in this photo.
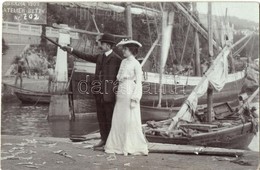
(133, 48)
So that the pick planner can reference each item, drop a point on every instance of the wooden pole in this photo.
(59, 104)
(150, 51)
(129, 20)
(197, 45)
(210, 89)
(195, 24)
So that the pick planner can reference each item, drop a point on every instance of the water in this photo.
(20, 119)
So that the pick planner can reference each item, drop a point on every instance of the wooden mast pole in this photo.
(129, 20)
(197, 45)
(210, 89)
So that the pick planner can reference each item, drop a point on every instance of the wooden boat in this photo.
(235, 137)
(235, 130)
(29, 96)
(176, 87)
(227, 128)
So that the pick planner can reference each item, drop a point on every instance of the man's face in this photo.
(104, 47)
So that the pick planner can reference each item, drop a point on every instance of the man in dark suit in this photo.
(104, 84)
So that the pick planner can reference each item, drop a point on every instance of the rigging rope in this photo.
(241, 48)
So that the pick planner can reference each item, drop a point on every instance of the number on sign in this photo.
(36, 17)
(30, 16)
(25, 16)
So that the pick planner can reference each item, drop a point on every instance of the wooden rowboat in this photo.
(235, 137)
(29, 96)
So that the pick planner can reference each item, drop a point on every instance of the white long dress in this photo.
(126, 135)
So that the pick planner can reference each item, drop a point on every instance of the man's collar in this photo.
(108, 52)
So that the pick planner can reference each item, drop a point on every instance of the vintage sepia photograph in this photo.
(130, 85)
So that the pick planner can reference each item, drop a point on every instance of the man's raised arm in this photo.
(79, 54)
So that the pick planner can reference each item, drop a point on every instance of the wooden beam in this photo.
(195, 24)
(210, 46)
(195, 150)
(110, 7)
(150, 51)
(129, 20)
(85, 32)
(197, 46)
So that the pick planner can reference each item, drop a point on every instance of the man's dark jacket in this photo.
(106, 73)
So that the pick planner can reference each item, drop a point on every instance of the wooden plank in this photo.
(203, 127)
(196, 150)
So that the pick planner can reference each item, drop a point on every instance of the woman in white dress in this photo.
(126, 135)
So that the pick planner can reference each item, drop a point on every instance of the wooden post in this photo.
(129, 20)
(210, 89)
(59, 104)
(197, 45)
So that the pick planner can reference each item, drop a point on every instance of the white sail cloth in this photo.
(216, 76)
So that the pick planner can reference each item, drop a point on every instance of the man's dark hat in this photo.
(108, 38)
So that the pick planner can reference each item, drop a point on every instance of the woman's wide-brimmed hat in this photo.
(129, 42)
(108, 38)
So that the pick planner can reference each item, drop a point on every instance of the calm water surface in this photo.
(20, 119)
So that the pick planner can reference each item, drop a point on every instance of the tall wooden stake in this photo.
(129, 20)
(197, 45)
(210, 89)
(59, 104)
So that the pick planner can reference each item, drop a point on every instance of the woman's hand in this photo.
(133, 103)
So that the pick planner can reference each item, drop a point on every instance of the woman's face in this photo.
(126, 52)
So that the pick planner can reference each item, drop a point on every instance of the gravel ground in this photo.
(25, 152)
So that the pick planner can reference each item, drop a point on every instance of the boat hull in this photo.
(237, 137)
(33, 97)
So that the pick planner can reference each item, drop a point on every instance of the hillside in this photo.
(238, 23)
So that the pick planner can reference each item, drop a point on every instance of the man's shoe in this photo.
(100, 144)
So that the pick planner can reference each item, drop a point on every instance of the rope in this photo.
(242, 47)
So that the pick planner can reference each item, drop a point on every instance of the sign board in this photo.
(25, 12)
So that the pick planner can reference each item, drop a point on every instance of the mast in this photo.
(197, 45)
(167, 25)
(210, 89)
(129, 20)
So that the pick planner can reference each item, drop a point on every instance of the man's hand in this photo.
(67, 48)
